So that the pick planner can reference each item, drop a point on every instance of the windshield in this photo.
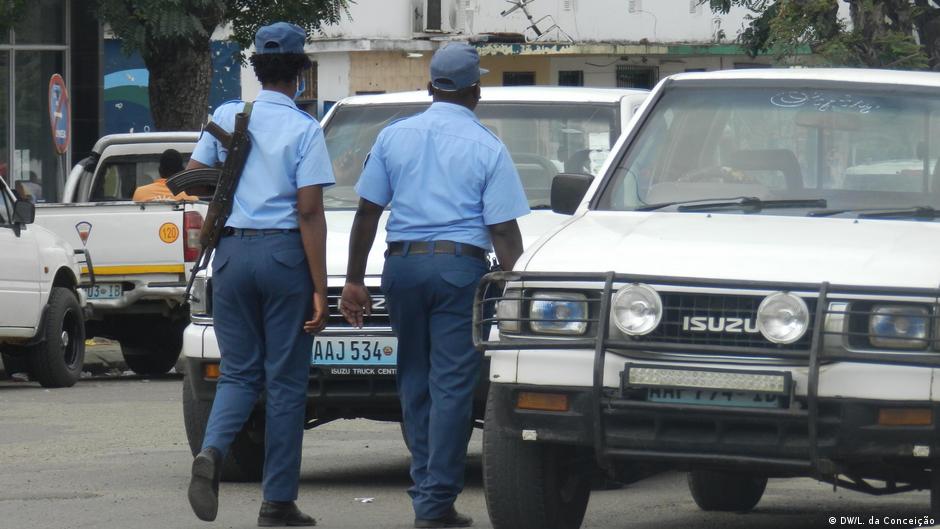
(544, 139)
(855, 150)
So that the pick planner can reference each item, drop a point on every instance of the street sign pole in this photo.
(60, 122)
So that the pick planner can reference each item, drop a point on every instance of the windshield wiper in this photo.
(540, 206)
(748, 203)
(916, 212)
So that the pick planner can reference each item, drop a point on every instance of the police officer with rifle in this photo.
(269, 271)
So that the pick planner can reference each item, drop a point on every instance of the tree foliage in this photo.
(10, 12)
(902, 34)
(172, 37)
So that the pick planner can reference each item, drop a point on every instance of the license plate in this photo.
(104, 291)
(376, 355)
(711, 397)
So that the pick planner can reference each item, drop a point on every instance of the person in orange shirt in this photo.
(171, 162)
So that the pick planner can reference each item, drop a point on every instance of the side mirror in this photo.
(568, 190)
(24, 212)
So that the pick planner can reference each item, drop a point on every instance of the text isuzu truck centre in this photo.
(749, 290)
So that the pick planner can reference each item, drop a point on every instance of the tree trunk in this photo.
(180, 78)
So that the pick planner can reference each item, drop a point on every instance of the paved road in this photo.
(112, 453)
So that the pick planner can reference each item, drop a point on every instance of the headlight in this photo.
(783, 318)
(199, 296)
(637, 309)
(899, 326)
(558, 313)
(508, 312)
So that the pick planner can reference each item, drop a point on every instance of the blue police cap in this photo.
(455, 66)
(280, 37)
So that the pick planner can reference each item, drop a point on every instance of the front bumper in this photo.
(331, 391)
(695, 436)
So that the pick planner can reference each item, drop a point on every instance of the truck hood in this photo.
(746, 247)
(339, 227)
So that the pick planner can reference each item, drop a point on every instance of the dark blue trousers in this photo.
(430, 301)
(262, 294)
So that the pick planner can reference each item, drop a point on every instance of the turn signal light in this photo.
(542, 401)
(905, 417)
(211, 371)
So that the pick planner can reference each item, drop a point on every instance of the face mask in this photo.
(301, 86)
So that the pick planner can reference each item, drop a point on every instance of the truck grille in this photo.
(379, 317)
(717, 312)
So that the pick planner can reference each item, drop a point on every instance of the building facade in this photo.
(55, 37)
(386, 46)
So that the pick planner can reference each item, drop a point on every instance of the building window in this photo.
(518, 78)
(433, 15)
(571, 78)
(629, 76)
(30, 53)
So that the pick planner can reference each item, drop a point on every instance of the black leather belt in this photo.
(442, 247)
(248, 232)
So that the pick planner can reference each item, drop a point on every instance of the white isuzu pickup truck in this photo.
(547, 130)
(42, 317)
(143, 251)
(749, 290)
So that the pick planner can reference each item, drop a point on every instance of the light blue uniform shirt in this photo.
(446, 176)
(287, 152)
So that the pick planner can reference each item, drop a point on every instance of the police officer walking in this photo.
(454, 193)
(269, 277)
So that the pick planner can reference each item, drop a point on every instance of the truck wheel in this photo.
(57, 361)
(530, 485)
(724, 491)
(245, 459)
(154, 352)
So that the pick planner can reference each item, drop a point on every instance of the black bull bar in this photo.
(601, 286)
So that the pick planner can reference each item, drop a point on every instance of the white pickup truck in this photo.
(748, 291)
(42, 319)
(143, 251)
(547, 131)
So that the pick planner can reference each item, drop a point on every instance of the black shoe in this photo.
(204, 485)
(283, 514)
(451, 519)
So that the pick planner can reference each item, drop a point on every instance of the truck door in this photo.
(19, 271)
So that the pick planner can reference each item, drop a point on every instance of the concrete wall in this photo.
(584, 20)
(387, 71)
(497, 65)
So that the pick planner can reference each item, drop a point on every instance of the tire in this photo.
(57, 361)
(530, 485)
(245, 459)
(155, 352)
(724, 491)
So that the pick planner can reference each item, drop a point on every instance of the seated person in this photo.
(30, 189)
(171, 162)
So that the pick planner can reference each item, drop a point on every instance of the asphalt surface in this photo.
(111, 452)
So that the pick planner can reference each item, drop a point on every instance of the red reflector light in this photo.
(192, 225)
(211, 371)
(905, 416)
(527, 400)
